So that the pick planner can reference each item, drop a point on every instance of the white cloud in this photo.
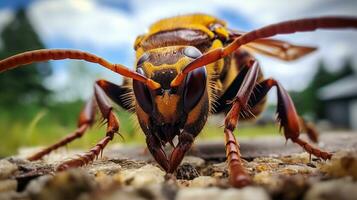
(82, 22)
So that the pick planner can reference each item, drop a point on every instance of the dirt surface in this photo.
(279, 171)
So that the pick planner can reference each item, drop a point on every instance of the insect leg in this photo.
(184, 144)
(155, 148)
(86, 119)
(120, 94)
(112, 127)
(287, 116)
(310, 129)
(238, 176)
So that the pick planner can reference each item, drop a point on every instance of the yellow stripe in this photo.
(192, 21)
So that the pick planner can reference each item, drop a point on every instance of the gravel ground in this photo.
(279, 171)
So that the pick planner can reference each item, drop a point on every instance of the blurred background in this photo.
(39, 103)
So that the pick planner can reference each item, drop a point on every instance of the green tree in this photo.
(22, 86)
(307, 101)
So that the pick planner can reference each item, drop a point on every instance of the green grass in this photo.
(41, 127)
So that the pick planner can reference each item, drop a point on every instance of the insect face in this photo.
(167, 105)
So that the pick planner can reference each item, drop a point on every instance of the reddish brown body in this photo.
(185, 64)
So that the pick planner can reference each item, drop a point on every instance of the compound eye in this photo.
(142, 59)
(195, 86)
(192, 52)
(142, 94)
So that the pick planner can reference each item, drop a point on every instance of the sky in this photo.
(108, 28)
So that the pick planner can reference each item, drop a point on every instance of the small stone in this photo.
(290, 187)
(148, 174)
(195, 161)
(7, 169)
(296, 169)
(286, 182)
(8, 185)
(106, 167)
(36, 186)
(344, 189)
(123, 194)
(214, 193)
(267, 179)
(140, 193)
(69, 184)
(128, 164)
(342, 164)
(263, 167)
(204, 181)
(183, 183)
(104, 180)
(186, 171)
(302, 158)
(218, 170)
(267, 160)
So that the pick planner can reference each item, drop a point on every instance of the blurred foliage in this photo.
(23, 85)
(41, 126)
(307, 101)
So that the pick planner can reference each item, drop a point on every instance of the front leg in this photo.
(156, 149)
(86, 119)
(184, 144)
(112, 127)
(238, 175)
(287, 116)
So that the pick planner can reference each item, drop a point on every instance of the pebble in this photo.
(104, 167)
(148, 174)
(8, 185)
(186, 171)
(69, 184)
(195, 161)
(204, 181)
(303, 158)
(214, 193)
(217, 170)
(342, 189)
(266, 178)
(296, 169)
(141, 193)
(13, 195)
(7, 169)
(342, 164)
